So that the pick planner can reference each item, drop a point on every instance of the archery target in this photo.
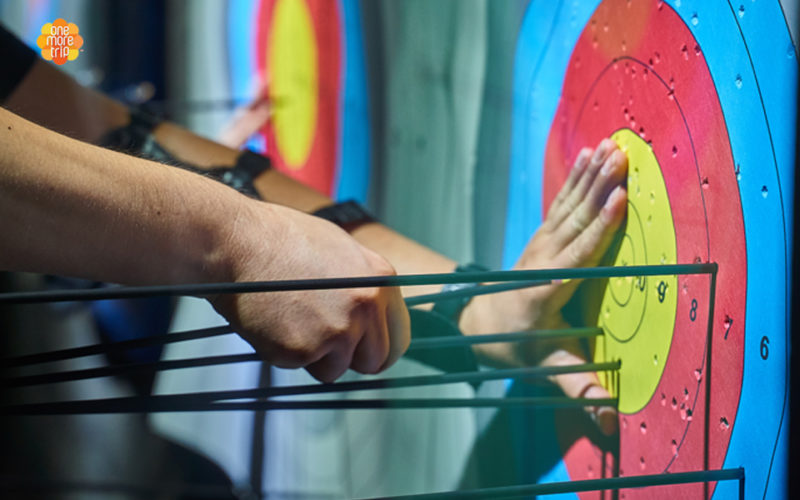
(701, 96)
(309, 54)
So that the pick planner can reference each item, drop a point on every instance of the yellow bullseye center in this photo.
(293, 80)
(638, 313)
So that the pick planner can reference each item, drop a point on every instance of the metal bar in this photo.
(741, 486)
(163, 365)
(149, 405)
(425, 380)
(438, 379)
(362, 385)
(123, 292)
(394, 383)
(124, 369)
(472, 292)
(712, 294)
(91, 350)
(613, 483)
(491, 338)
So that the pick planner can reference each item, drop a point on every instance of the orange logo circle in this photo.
(60, 41)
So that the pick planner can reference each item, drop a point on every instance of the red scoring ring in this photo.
(652, 77)
(319, 170)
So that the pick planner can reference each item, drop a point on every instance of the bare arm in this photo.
(51, 98)
(74, 209)
(78, 210)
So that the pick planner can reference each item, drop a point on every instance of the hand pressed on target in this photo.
(579, 227)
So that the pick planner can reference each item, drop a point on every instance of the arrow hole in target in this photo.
(727, 324)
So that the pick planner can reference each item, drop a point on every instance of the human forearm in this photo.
(49, 97)
(74, 209)
(53, 99)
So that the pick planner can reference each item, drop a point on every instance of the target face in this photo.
(309, 55)
(681, 89)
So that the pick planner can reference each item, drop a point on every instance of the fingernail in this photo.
(583, 159)
(607, 421)
(612, 163)
(601, 151)
(612, 198)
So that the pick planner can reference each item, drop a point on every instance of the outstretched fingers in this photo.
(560, 207)
(584, 219)
(594, 204)
(579, 182)
(591, 244)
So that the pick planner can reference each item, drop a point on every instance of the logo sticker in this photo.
(60, 41)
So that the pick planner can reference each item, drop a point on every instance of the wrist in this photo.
(497, 313)
(473, 320)
(222, 261)
(249, 238)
